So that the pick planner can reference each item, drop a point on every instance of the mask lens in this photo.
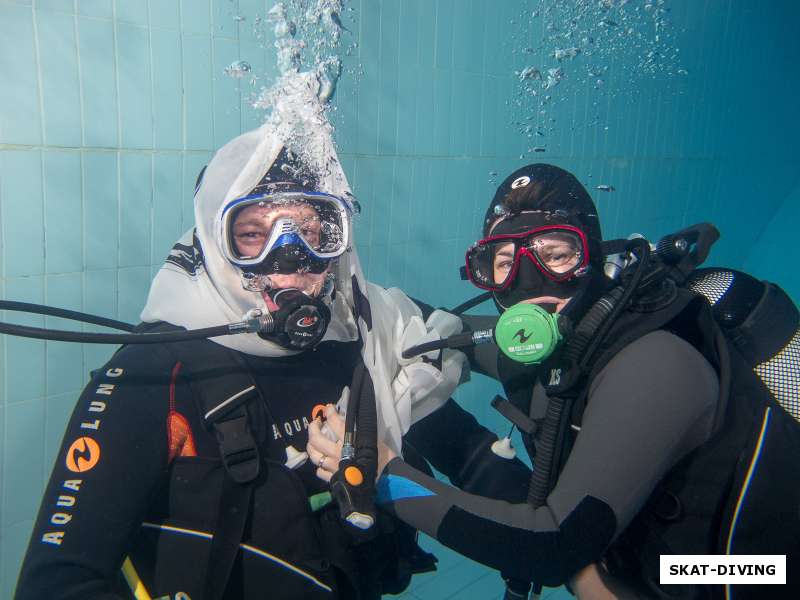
(560, 253)
(491, 264)
(255, 227)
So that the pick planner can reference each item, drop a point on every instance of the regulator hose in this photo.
(353, 407)
(113, 338)
(256, 323)
(580, 348)
(52, 311)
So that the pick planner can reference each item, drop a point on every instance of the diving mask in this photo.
(285, 232)
(559, 252)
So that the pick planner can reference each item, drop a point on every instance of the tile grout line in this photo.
(44, 228)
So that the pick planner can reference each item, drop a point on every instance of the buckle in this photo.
(238, 449)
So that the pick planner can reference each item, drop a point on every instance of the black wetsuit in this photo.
(139, 475)
(652, 404)
(137, 467)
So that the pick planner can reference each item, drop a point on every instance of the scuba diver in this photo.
(181, 474)
(658, 403)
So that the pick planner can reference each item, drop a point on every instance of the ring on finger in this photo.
(321, 461)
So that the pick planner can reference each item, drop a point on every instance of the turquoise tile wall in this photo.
(61, 106)
(98, 82)
(111, 107)
(102, 9)
(132, 50)
(109, 110)
(20, 104)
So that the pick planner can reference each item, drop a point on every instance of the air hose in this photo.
(51, 311)
(353, 484)
(255, 323)
(353, 406)
(580, 348)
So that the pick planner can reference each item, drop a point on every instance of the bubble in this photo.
(554, 77)
(237, 69)
(603, 187)
(604, 32)
(566, 53)
(529, 73)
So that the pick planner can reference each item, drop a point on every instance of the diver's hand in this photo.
(324, 452)
(594, 583)
(385, 455)
(557, 303)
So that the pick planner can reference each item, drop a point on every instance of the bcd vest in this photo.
(241, 526)
(738, 493)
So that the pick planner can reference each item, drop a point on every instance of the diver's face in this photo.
(556, 252)
(251, 231)
(503, 262)
(253, 225)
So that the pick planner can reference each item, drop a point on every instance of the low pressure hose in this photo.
(539, 485)
(352, 486)
(353, 407)
(52, 311)
(460, 340)
(588, 336)
(253, 323)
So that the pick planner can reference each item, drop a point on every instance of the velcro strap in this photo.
(238, 448)
(522, 421)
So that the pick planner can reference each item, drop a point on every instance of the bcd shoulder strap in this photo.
(223, 387)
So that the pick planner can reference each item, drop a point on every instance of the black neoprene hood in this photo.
(546, 188)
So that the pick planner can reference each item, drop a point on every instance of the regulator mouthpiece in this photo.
(528, 334)
(300, 321)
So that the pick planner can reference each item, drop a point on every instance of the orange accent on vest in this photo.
(179, 434)
(180, 441)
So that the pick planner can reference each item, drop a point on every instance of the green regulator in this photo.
(526, 333)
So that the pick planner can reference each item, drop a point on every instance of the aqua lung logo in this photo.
(522, 337)
(81, 457)
(291, 428)
(520, 182)
(307, 321)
